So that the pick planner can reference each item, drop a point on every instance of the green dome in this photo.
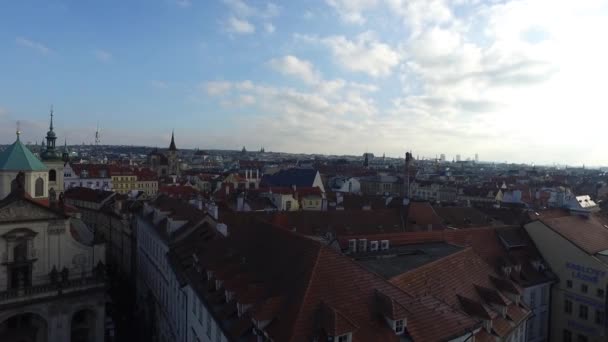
(17, 157)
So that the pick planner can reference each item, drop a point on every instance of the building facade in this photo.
(576, 249)
(52, 285)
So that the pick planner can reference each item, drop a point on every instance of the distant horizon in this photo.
(423, 158)
(516, 80)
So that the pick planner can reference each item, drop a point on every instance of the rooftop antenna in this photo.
(97, 135)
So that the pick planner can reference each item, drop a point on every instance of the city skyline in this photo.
(331, 77)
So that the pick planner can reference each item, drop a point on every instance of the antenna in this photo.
(97, 138)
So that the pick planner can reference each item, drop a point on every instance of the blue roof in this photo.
(290, 177)
(17, 157)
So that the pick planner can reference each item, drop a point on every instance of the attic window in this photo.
(344, 338)
(399, 326)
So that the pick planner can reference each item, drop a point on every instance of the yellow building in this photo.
(127, 179)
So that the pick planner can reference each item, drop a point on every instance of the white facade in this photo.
(71, 180)
(31, 177)
(345, 184)
(202, 326)
(537, 299)
(62, 305)
(159, 291)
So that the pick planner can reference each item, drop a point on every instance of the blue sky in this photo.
(511, 80)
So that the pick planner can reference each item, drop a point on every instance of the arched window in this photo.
(39, 191)
(52, 176)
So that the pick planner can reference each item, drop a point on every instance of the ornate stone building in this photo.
(167, 163)
(52, 285)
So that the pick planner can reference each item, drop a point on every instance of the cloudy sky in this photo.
(511, 80)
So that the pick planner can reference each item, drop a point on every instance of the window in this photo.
(599, 317)
(567, 335)
(399, 326)
(583, 311)
(582, 338)
(600, 293)
(569, 284)
(288, 205)
(342, 338)
(584, 288)
(543, 295)
(52, 176)
(39, 188)
(568, 306)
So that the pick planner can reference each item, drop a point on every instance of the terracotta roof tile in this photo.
(595, 236)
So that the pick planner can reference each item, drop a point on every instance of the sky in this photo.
(517, 81)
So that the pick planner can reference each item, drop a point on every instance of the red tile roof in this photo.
(306, 282)
(589, 234)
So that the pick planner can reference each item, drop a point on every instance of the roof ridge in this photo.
(429, 264)
(308, 285)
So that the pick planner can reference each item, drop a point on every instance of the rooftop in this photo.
(17, 157)
(405, 258)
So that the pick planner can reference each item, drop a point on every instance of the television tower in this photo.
(97, 138)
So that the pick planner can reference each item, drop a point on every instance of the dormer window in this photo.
(399, 326)
(344, 338)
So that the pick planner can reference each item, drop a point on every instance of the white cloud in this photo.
(239, 26)
(292, 66)
(242, 9)
(364, 54)
(103, 56)
(34, 45)
(244, 15)
(269, 27)
(217, 87)
(351, 11)
(183, 3)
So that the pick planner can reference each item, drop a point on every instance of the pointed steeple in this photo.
(51, 125)
(50, 153)
(65, 156)
(172, 145)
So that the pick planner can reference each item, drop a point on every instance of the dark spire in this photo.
(50, 153)
(51, 126)
(172, 145)
(65, 156)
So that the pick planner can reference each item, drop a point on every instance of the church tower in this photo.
(16, 159)
(172, 157)
(52, 158)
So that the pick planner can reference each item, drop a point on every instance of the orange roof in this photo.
(589, 234)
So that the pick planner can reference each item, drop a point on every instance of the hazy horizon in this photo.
(519, 81)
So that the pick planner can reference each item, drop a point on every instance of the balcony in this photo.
(50, 291)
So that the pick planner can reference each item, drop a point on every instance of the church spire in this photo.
(172, 145)
(51, 125)
(50, 153)
(18, 130)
